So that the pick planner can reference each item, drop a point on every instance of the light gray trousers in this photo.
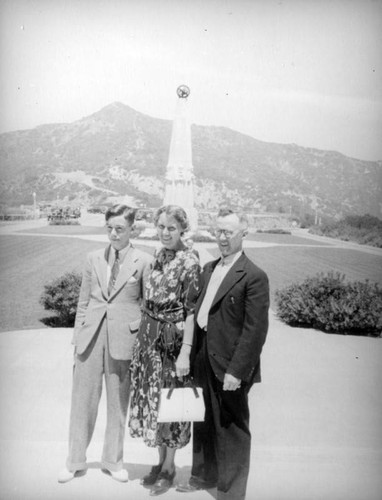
(88, 372)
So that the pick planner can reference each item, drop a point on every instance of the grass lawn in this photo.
(72, 230)
(29, 262)
(282, 239)
(286, 265)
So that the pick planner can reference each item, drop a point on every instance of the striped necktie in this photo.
(114, 273)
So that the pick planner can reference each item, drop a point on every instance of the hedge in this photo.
(332, 304)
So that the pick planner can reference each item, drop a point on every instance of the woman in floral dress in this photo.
(162, 349)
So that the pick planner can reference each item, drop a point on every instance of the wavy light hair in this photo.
(175, 211)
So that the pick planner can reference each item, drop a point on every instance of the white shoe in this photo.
(65, 475)
(121, 475)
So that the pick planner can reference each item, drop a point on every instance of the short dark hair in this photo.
(175, 211)
(225, 211)
(120, 209)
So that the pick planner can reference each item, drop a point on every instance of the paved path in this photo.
(315, 419)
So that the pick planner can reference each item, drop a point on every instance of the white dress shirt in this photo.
(217, 276)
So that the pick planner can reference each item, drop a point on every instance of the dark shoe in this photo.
(163, 483)
(152, 476)
(196, 484)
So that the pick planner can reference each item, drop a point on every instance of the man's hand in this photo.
(231, 383)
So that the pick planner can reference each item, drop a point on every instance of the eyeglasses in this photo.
(226, 233)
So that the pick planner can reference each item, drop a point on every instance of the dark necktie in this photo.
(114, 273)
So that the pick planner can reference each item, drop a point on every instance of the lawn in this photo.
(28, 262)
(71, 230)
(282, 239)
(288, 264)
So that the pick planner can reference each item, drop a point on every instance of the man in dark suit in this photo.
(107, 321)
(232, 324)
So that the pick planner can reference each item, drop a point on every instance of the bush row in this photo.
(365, 229)
(56, 221)
(326, 302)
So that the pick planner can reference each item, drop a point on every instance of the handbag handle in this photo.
(189, 383)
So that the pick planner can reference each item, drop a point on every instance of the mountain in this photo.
(118, 153)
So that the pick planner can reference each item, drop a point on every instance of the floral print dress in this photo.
(170, 294)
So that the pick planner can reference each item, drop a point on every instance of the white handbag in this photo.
(181, 404)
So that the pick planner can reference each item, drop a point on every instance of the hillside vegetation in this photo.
(118, 154)
(366, 230)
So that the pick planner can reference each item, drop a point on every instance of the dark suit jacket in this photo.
(237, 321)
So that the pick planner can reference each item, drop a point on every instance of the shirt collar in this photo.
(122, 253)
(230, 259)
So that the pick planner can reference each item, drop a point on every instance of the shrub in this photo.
(273, 231)
(203, 236)
(61, 296)
(55, 221)
(136, 231)
(306, 221)
(331, 304)
(362, 229)
(363, 221)
(152, 236)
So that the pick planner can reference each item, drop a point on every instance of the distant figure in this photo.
(190, 245)
(231, 326)
(107, 321)
(162, 351)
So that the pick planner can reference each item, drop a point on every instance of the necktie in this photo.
(114, 273)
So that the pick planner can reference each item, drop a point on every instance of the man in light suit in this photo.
(107, 320)
(231, 327)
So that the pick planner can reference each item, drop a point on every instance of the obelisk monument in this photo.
(179, 186)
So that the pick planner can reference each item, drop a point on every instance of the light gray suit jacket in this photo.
(121, 309)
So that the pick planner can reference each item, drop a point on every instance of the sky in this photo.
(307, 72)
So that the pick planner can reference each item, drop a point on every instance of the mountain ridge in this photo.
(125, 153)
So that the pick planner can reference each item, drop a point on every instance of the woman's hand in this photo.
(182, 364)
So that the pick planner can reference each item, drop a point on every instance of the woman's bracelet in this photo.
(185, 343)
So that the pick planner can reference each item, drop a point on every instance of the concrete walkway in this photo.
(315, 419)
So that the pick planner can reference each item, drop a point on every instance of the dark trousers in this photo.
(222, 443)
